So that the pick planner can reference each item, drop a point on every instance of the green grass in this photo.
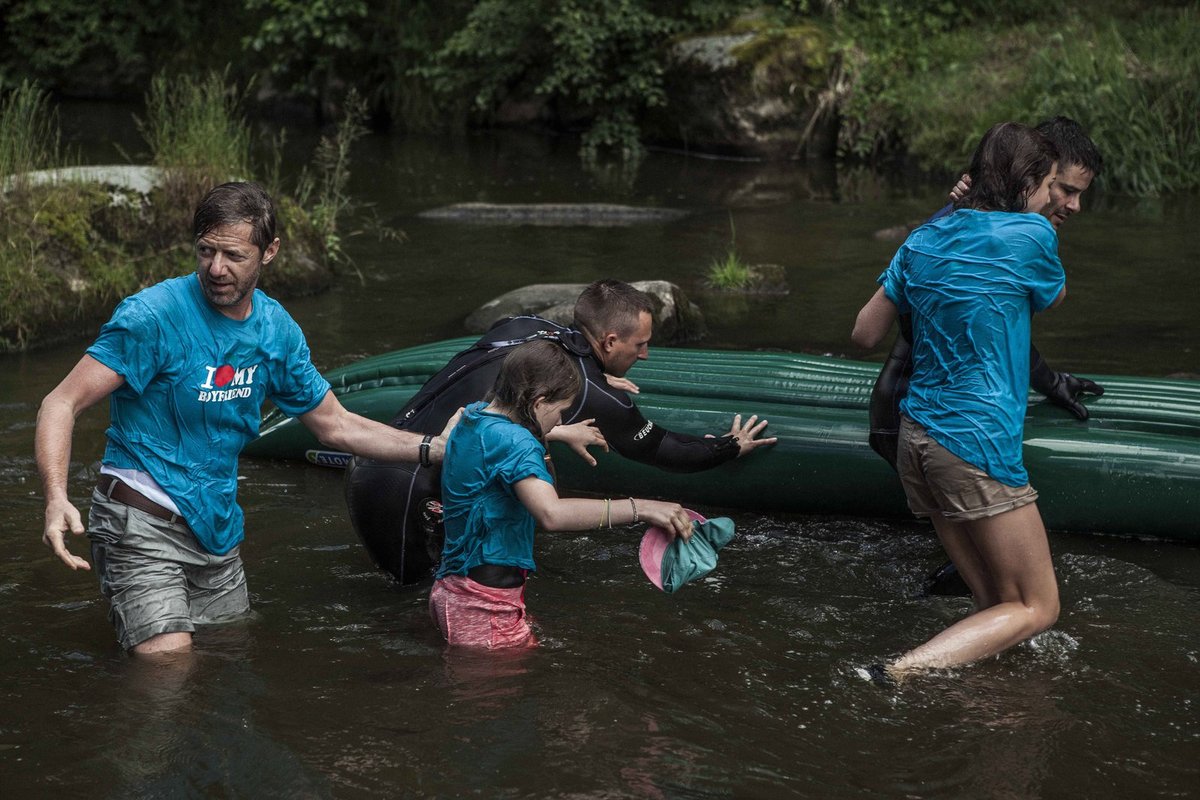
(1132, 81)
(69, 253)
(729, 272)
(196, 126)
(29, 134)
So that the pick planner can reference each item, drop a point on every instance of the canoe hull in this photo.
(1132, 469)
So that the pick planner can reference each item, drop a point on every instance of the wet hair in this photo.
(1074, 146)
(1010, 161)
(233, 203)
(609, 306)
(541, 368)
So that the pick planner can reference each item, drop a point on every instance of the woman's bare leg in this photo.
(956, 541)
(1016, 555)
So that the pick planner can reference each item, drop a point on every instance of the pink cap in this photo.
(654, 545)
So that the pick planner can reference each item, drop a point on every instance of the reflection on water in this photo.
(740, 685)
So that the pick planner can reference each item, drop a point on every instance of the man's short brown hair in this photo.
(609, 306)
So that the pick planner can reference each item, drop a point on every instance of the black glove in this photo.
(1061, 388)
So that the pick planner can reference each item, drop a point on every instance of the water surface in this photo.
(739, 686)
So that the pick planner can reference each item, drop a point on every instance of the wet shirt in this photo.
(195, 383)
(971, 281)
(486, 523)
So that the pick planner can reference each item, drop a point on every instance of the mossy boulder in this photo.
(74, 242)
(754, 90)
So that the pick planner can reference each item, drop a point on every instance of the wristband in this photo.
(423, 450)
(633, 505)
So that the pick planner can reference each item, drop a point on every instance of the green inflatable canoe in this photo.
(1132, 469)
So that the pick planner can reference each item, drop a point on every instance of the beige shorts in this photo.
(156, 576)
(938, 482)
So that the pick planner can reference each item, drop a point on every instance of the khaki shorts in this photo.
(938, 482)
(156, 576)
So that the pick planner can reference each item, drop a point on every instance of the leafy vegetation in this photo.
(71, 248)
(928, 78)
(909, 78)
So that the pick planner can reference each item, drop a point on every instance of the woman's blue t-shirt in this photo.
(972, 281)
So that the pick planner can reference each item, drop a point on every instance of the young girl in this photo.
(497, 484)
(972, 281)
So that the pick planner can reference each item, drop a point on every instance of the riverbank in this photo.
(75, 241)
(916, 80)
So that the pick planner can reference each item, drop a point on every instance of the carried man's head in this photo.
(234, 234)
(617, 320)
(1079, 162)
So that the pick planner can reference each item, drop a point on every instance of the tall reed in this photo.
(29, 134)
(195, 126)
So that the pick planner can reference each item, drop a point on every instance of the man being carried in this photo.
(394, 506)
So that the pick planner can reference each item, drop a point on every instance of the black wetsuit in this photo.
(393, 505)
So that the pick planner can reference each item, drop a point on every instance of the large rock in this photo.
(132, 177)
(756, 90)
(676, 318)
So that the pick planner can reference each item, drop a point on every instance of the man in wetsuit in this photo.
(394, 506)
(1079, 163)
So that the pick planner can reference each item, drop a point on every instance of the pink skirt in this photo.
(473, 615)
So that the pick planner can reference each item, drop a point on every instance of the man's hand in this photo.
(960, 189)
(437, 445)
(579, 437)
(624, 384)
(1063, 389)
(746, 434)
(61, 517)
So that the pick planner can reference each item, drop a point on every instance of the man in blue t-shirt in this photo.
(186, 365)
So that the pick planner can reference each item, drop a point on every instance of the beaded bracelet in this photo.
(633, 505)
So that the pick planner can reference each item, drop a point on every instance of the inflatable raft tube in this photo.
(1132, 469)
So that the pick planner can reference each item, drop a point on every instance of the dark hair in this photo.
(1009, 163)
(1074, 146)
(231, 203)
(541, 368)
(610, 306)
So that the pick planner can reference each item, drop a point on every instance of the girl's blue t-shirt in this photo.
(972, 281)
(195, 383)
(486, 523)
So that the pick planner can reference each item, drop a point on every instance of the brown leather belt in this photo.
(112, 487)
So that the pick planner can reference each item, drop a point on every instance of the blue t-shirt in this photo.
(486, 522)
(195, 382)
(972, 281)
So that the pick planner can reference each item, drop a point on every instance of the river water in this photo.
(740, 686)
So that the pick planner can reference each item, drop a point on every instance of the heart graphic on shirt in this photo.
(223, 376)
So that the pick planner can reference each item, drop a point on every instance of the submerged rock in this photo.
(594, 214)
